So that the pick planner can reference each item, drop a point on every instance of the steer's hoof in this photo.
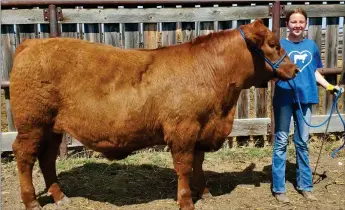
(206, 195)
(34, 205)
(65, 200)
(189, 207)
(186, 205)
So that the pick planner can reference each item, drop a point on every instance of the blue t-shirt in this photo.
(306, 55)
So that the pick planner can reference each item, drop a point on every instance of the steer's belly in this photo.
(115, 138)
(121, 147)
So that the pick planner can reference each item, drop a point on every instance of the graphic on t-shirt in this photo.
(301, 59)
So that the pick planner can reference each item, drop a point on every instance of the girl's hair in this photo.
(297, 10)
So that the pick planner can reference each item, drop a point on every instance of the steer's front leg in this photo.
(183, 162)
(181, 138)
(199, 182)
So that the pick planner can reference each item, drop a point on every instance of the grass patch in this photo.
(151, 159)
(240, 153)
(156, 159)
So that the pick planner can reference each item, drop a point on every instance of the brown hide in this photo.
(117, 101)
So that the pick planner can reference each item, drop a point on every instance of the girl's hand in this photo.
(334, 89)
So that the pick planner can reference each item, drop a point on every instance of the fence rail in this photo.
(151, 24)
(134, 15)
(112, 2)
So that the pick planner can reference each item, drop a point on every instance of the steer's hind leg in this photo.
(47, 159)
(199, 182)
(26, 149)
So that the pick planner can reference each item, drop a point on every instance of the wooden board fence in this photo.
(157, 26)
(241, 127)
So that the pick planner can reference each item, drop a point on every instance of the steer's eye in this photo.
(272, 45)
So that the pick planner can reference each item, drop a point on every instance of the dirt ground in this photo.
(238, 179)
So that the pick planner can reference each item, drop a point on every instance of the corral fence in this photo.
(156, 23)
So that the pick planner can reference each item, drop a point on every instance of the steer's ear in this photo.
(256, 33)
(258, 21)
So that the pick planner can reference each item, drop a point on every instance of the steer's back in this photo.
(92, 91)
(55, 75)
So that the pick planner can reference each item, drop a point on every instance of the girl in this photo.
(305, 54)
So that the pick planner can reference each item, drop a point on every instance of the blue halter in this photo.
(259, 51)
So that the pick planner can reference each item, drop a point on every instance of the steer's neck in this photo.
(227, 59)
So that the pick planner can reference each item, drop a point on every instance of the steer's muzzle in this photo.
(287, 70)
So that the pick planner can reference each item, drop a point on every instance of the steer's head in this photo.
(265, 45)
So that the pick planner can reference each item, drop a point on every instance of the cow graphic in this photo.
(299, 57)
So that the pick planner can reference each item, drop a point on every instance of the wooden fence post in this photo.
(331, 57)
(53, 15)
(8, 45)
(243, 103)
(315, 33)
(342, 83)
(276, 14)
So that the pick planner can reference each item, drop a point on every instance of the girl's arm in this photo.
(323, 82)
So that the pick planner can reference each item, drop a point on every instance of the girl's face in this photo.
(297, 24)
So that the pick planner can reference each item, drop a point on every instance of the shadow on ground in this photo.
(121, 184)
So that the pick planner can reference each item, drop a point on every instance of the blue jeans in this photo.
(282, 117)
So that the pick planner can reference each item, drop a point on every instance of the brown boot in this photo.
(282, 197)
(309, 195)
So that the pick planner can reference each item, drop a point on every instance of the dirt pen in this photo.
(239, 174)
